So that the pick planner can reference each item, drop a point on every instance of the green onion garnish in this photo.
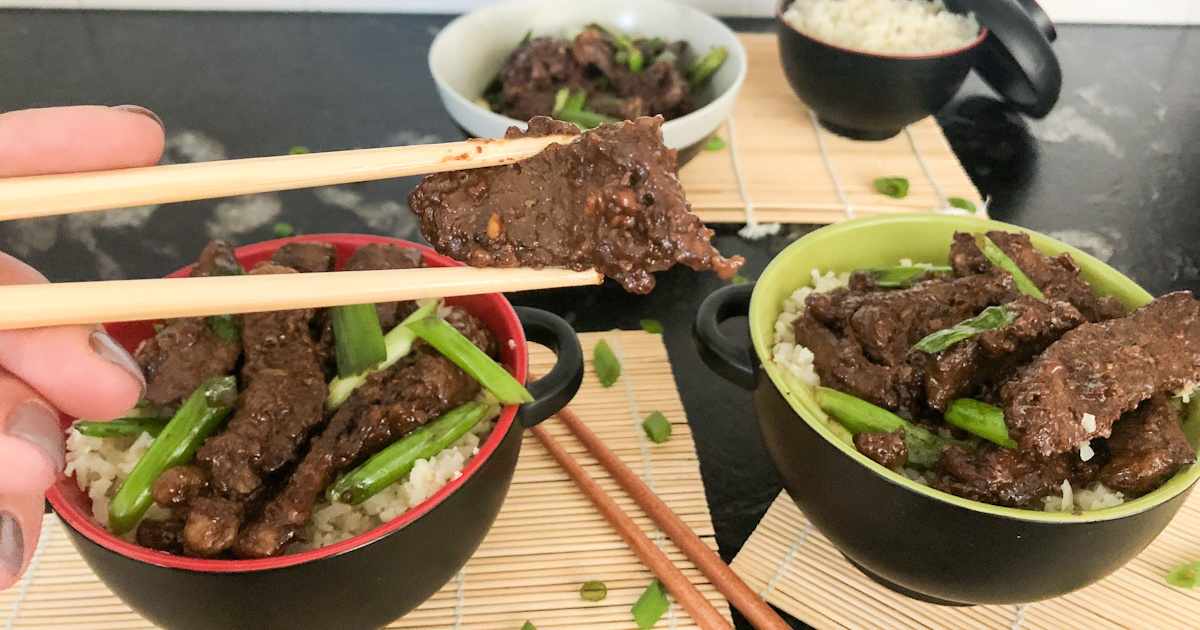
(657, 427)
(1184, 575)
(706, 66)
(962, 204)
(739, 279)
(298, 150)
(593, 591)
(902, 277)
(175, 445)
(652, 326)
(980, 418)
(605, 364)
(128, 426)
(715, 143)
(651, 606)
(528, 625)
(284, 230)
(627, 52)
(991, 318)
(894, 187)
(451, 343)
(357, 337)
(225, 327)
(860, 416)
(997, 257)
(398, 343)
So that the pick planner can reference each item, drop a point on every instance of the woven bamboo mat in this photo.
(547, 541)
(797, 569)
(780, 166)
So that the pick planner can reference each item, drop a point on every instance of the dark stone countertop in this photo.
(1111, 170)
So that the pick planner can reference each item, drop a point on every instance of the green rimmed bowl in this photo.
(919, 541)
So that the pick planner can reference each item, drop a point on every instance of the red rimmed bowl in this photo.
(371, 579)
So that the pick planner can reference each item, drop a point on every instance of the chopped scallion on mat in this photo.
(962, 204)
(651, 606)
(593, 591)
(657, 427)
(1184, 575)
(297, 150)
(528, 625)
(605, 363)
(121, 427)
(652, 326)
(739, 279)
(894, 187)
(715, 143)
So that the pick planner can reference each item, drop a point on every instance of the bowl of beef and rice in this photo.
(253, 529)
(973, 413)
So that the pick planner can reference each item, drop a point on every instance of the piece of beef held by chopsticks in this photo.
(281, 402)
(609, 200)
(391, 404)
(189, 350)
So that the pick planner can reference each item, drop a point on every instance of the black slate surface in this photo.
(1111, 170)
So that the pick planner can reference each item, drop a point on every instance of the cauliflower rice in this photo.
(100, 465)
(889, 27)
(798, 361)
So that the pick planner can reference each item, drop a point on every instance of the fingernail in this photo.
(36, 423)
(138, 109)
(108, 349)
(12, 544)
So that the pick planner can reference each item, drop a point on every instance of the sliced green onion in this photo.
(739, 279)
(576, 101)
(707, 66)
(860, 416)
(127, 426)
(980, 418)
(901, 277)
(1184, 575)
(451, 343)
(395, 461)
(584, 118)
(605, 364)
(560, 100)
(652, 326)
(991, 318)
(528, 625)
(651, 606)
(175, 445)
(357, 337)
(962, 204)
(657, 427)
(526, 39)
(593, 591)
(715, 143)
(629, 53)
(284, 230)
(398, 343)
(147, 409)
(298, 150)
(225, 327)
(997, 257)
(894, 187)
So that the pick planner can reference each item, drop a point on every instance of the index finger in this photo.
(83, 138)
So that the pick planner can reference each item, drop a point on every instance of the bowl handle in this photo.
(731, 360)
(553, 391)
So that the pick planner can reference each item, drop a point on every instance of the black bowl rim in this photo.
(983, 33)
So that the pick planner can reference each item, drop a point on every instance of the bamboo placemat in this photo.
(547, 541)
(797, 569)
(780, 166)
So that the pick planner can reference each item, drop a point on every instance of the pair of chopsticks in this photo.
(756, 611)
(121, 300)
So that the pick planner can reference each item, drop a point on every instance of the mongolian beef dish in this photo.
(263, 420)
(1001, 376)
(610, 200)
(601, 75)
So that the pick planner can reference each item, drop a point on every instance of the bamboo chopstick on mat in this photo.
(797, 569)
(778, 165)
(547, 541)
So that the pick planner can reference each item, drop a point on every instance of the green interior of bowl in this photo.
(882, 241)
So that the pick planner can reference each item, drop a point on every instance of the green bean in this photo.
(991, 318)
(358, 338)
(451, 343)
(395, 461)
(398, 342)
(128, 426)
(175, 445)
(980, 418)
(997, 257)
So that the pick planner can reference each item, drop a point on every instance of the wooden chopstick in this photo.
(693, 601)
(45, 195)
(756, 611)
(31, 305)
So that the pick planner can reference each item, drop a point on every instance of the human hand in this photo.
(76, 370)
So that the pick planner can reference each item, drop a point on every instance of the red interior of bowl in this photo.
(74, 507)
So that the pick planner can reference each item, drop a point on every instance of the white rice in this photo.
(798, 361)
(100, 465)
(889, 27)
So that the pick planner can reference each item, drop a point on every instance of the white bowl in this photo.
(466, 55)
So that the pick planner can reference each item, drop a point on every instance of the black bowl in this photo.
(367, 581)
(869, 96)
(919, 541)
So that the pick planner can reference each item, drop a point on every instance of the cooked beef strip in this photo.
(888, 449)
(281, 402)
(1147, 447)
(186, 351)
(1058, 278)
(967, 367)
(391, 404)
(1105, 369)
(165, 536)
(533, 73)
(1004, 476)
(176, 487)
(306, 256)
(610, 200)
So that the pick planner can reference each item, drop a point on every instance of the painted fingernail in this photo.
(36, 423)
(138, 109)
(12, 544)
(108, 349)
